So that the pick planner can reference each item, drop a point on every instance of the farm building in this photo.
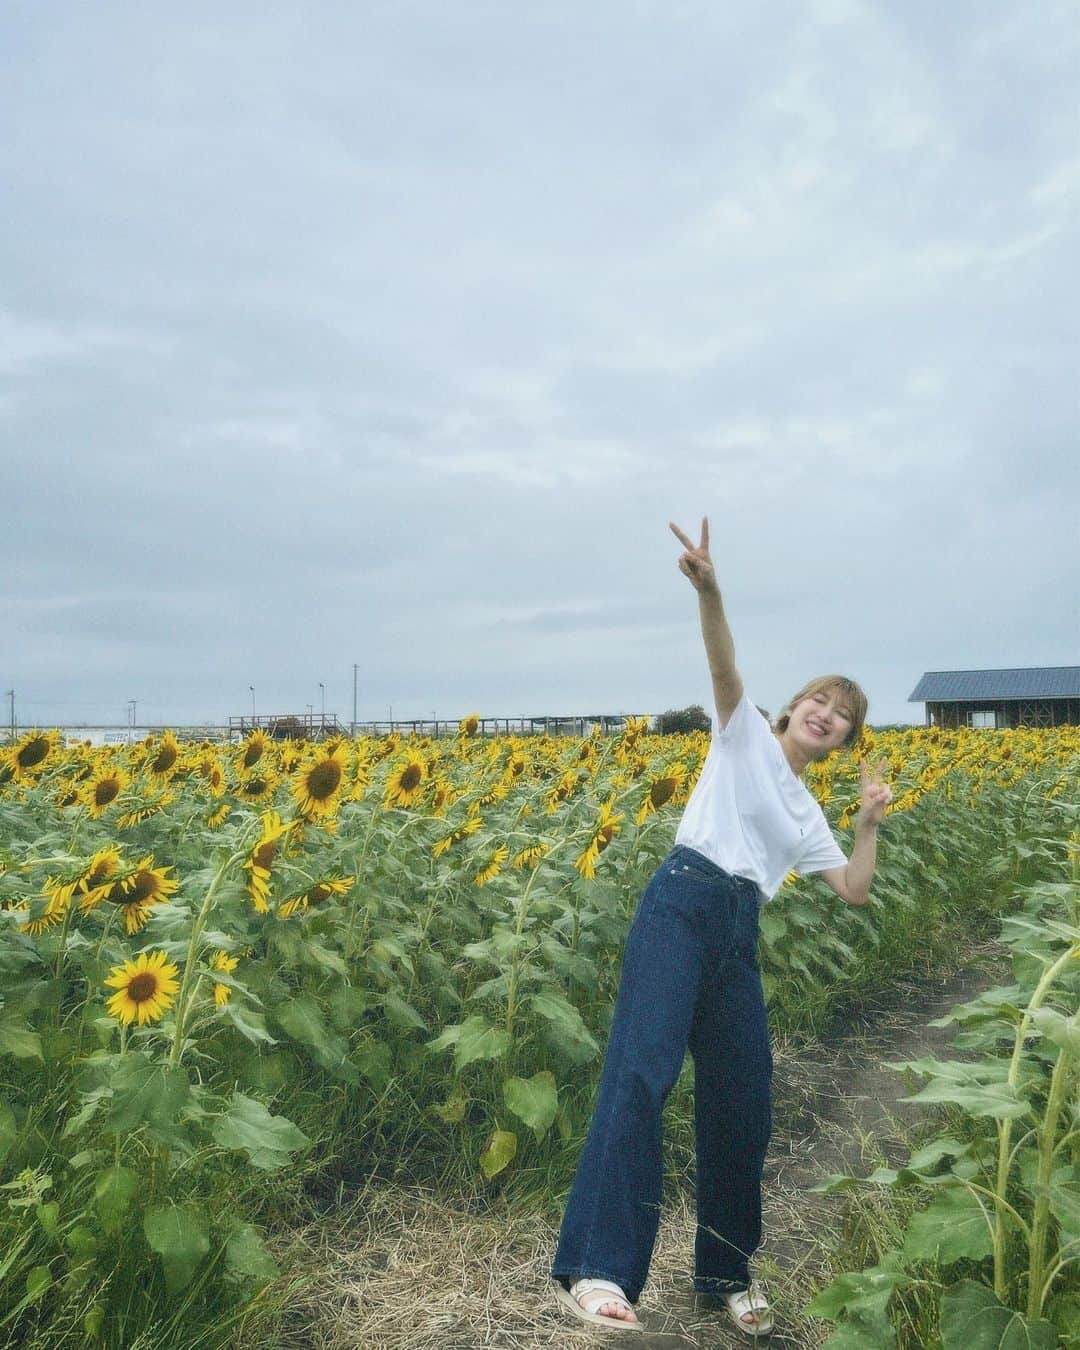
(1035, 696)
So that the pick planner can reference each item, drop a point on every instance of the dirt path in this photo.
(410, 1270)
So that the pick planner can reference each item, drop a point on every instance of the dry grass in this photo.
(407, 1269)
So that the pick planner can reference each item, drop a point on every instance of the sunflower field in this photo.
(229, 973)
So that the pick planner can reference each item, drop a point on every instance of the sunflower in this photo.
(259, 786)
(289, 756)
(226, 964)
(661, 789)
(61, 891)
(316, 895)
(530, 855)
(26, 758)
(406, 782)
(101, 791)
(163, 761)
(604, 831)
(214, 774)
(217, 815)
(563, 790)
(468, 726)
(456, 836)
(140, 813)
(442, 796)
(261, 859)
(493, 866)
(41, 920)
(136, 893)
(316, 788)
(144, 988)
(252, 750)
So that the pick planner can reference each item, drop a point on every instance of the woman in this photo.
(690, 978)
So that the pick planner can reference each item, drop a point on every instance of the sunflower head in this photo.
(145, 988)
(27, 757)
(163, 761)
(407, 781)
(103, 789)
(317, 788)
(468, 726)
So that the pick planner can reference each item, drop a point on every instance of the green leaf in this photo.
(499, 1153)
(862, 1331)
(1065, 1207)
(565, 1018)
(37, 1281)
(145, 1091)
(246, 1253)
(402, 1014)
(18, 1040)
(249, 1024)
(951, 1228)
(866, 1291)
(1063, 1031)
(534, 1100)
(303, 1020)
(49, 1218)
(269, 1141)
(999, 1100)
(472, 1039)
(114, 1190)
(9, 1131)
(453, 1110)
(972, 1318)
(180, 1236)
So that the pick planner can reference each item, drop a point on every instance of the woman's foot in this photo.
(600, 1303)
(749, 1310)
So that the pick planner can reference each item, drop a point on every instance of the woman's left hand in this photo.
(874, 793)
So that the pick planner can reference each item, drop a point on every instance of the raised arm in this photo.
(696, 564)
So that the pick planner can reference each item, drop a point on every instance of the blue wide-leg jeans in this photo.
(690, 979)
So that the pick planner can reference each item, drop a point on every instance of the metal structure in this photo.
(306, 726)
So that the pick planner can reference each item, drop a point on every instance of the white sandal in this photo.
(749, 1301)
(597, 1292)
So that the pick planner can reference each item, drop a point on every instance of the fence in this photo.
(320, 726)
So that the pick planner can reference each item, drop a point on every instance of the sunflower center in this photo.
(105, 791)
(662, 790)
(255, 787)
(144, 887)
(163, 760)
(142, 987)
(33, 752)
(252, 755)
(318, 894)
(324, 779)
(264, 855)
(410, 777)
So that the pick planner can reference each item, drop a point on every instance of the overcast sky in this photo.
(395, 333)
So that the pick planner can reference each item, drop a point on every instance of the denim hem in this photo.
(713, 1284)
(572, 1274)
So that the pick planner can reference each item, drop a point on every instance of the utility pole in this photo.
(11, 695)
(322, 691)
(252, 688)
(354, 701)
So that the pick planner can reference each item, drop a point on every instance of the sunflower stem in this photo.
(1005, 1126)
(186, 985)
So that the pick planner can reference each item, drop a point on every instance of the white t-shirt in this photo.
(749, 813)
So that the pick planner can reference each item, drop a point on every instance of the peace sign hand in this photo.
(695, 563)
(874, 793)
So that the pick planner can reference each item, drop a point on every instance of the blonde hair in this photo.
(848, 689)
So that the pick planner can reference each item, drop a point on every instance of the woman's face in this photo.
(821, 722)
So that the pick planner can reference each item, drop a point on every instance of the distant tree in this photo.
(677, 721)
